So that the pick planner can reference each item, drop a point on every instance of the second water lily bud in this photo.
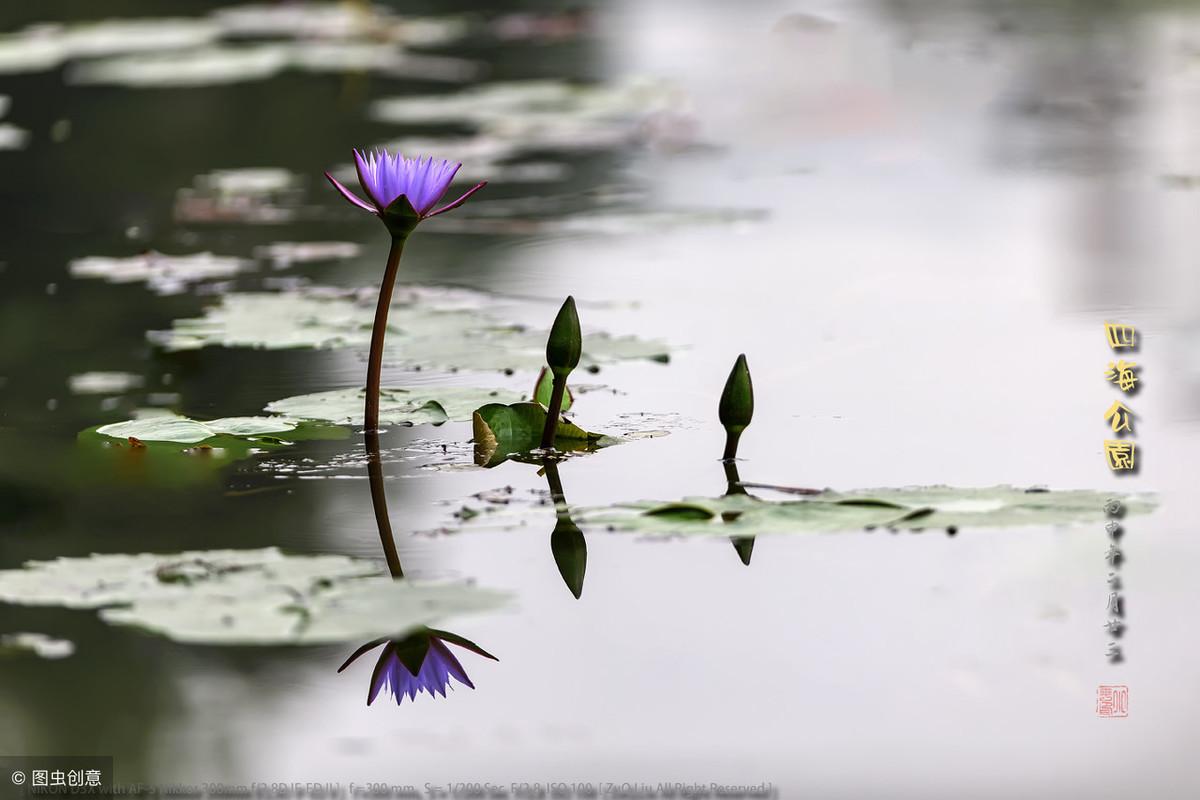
(737, 405)
(565, 345)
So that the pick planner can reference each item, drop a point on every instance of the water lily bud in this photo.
(737, 401)
(565, 344)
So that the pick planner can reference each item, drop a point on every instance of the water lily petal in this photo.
(450, 662)
(459, 201)
(349, 195)
(382, 673)
(454, 638)
(367, 167)
(360, 651)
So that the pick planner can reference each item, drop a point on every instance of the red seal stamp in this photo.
(1112, 701)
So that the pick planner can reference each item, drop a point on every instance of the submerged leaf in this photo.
(250, 597)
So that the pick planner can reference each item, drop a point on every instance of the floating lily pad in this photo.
(256, 195)
(45, 47)
(294, 28)
(225, 64)
(544, 113)
(242, 597)
(164, 274)
(12, 137)
(284, 254)
(423, 330)
(36, 644)
(170, 450)
(189, 431)
(504, 432)
(917, 508)
(104, 382)
(208, 66)
(312, 20)
(415, 406)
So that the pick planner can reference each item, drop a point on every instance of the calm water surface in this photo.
(912, 217)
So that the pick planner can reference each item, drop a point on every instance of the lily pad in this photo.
(504, 432)
(415, 406)
(12, 137)
(284, 254)
(169, 450)
(544, 114)
(164, 274)
(104, 382)
(45, 47)
(242, 597)
(255, 195)
(189, 431)
(226, 64)
(915, 508)
(424, 330)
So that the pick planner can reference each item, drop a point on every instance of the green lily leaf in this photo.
(511, 432)
(415, 406)
(545, 387)
(915, 508)
(171, 450)
(243, 597)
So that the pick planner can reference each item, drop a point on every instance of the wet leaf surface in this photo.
(514, 432)
(397, 406)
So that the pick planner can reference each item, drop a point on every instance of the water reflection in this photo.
(567, 542)
(744, 545)
(419, 660)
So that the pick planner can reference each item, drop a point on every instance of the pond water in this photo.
(912, 217)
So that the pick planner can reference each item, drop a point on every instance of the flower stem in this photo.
(732, 435)
(379, 502)
(733, 481)
(556, 398)
(378, 331)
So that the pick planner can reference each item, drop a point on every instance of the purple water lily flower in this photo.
(403, 191)
(420, 662)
